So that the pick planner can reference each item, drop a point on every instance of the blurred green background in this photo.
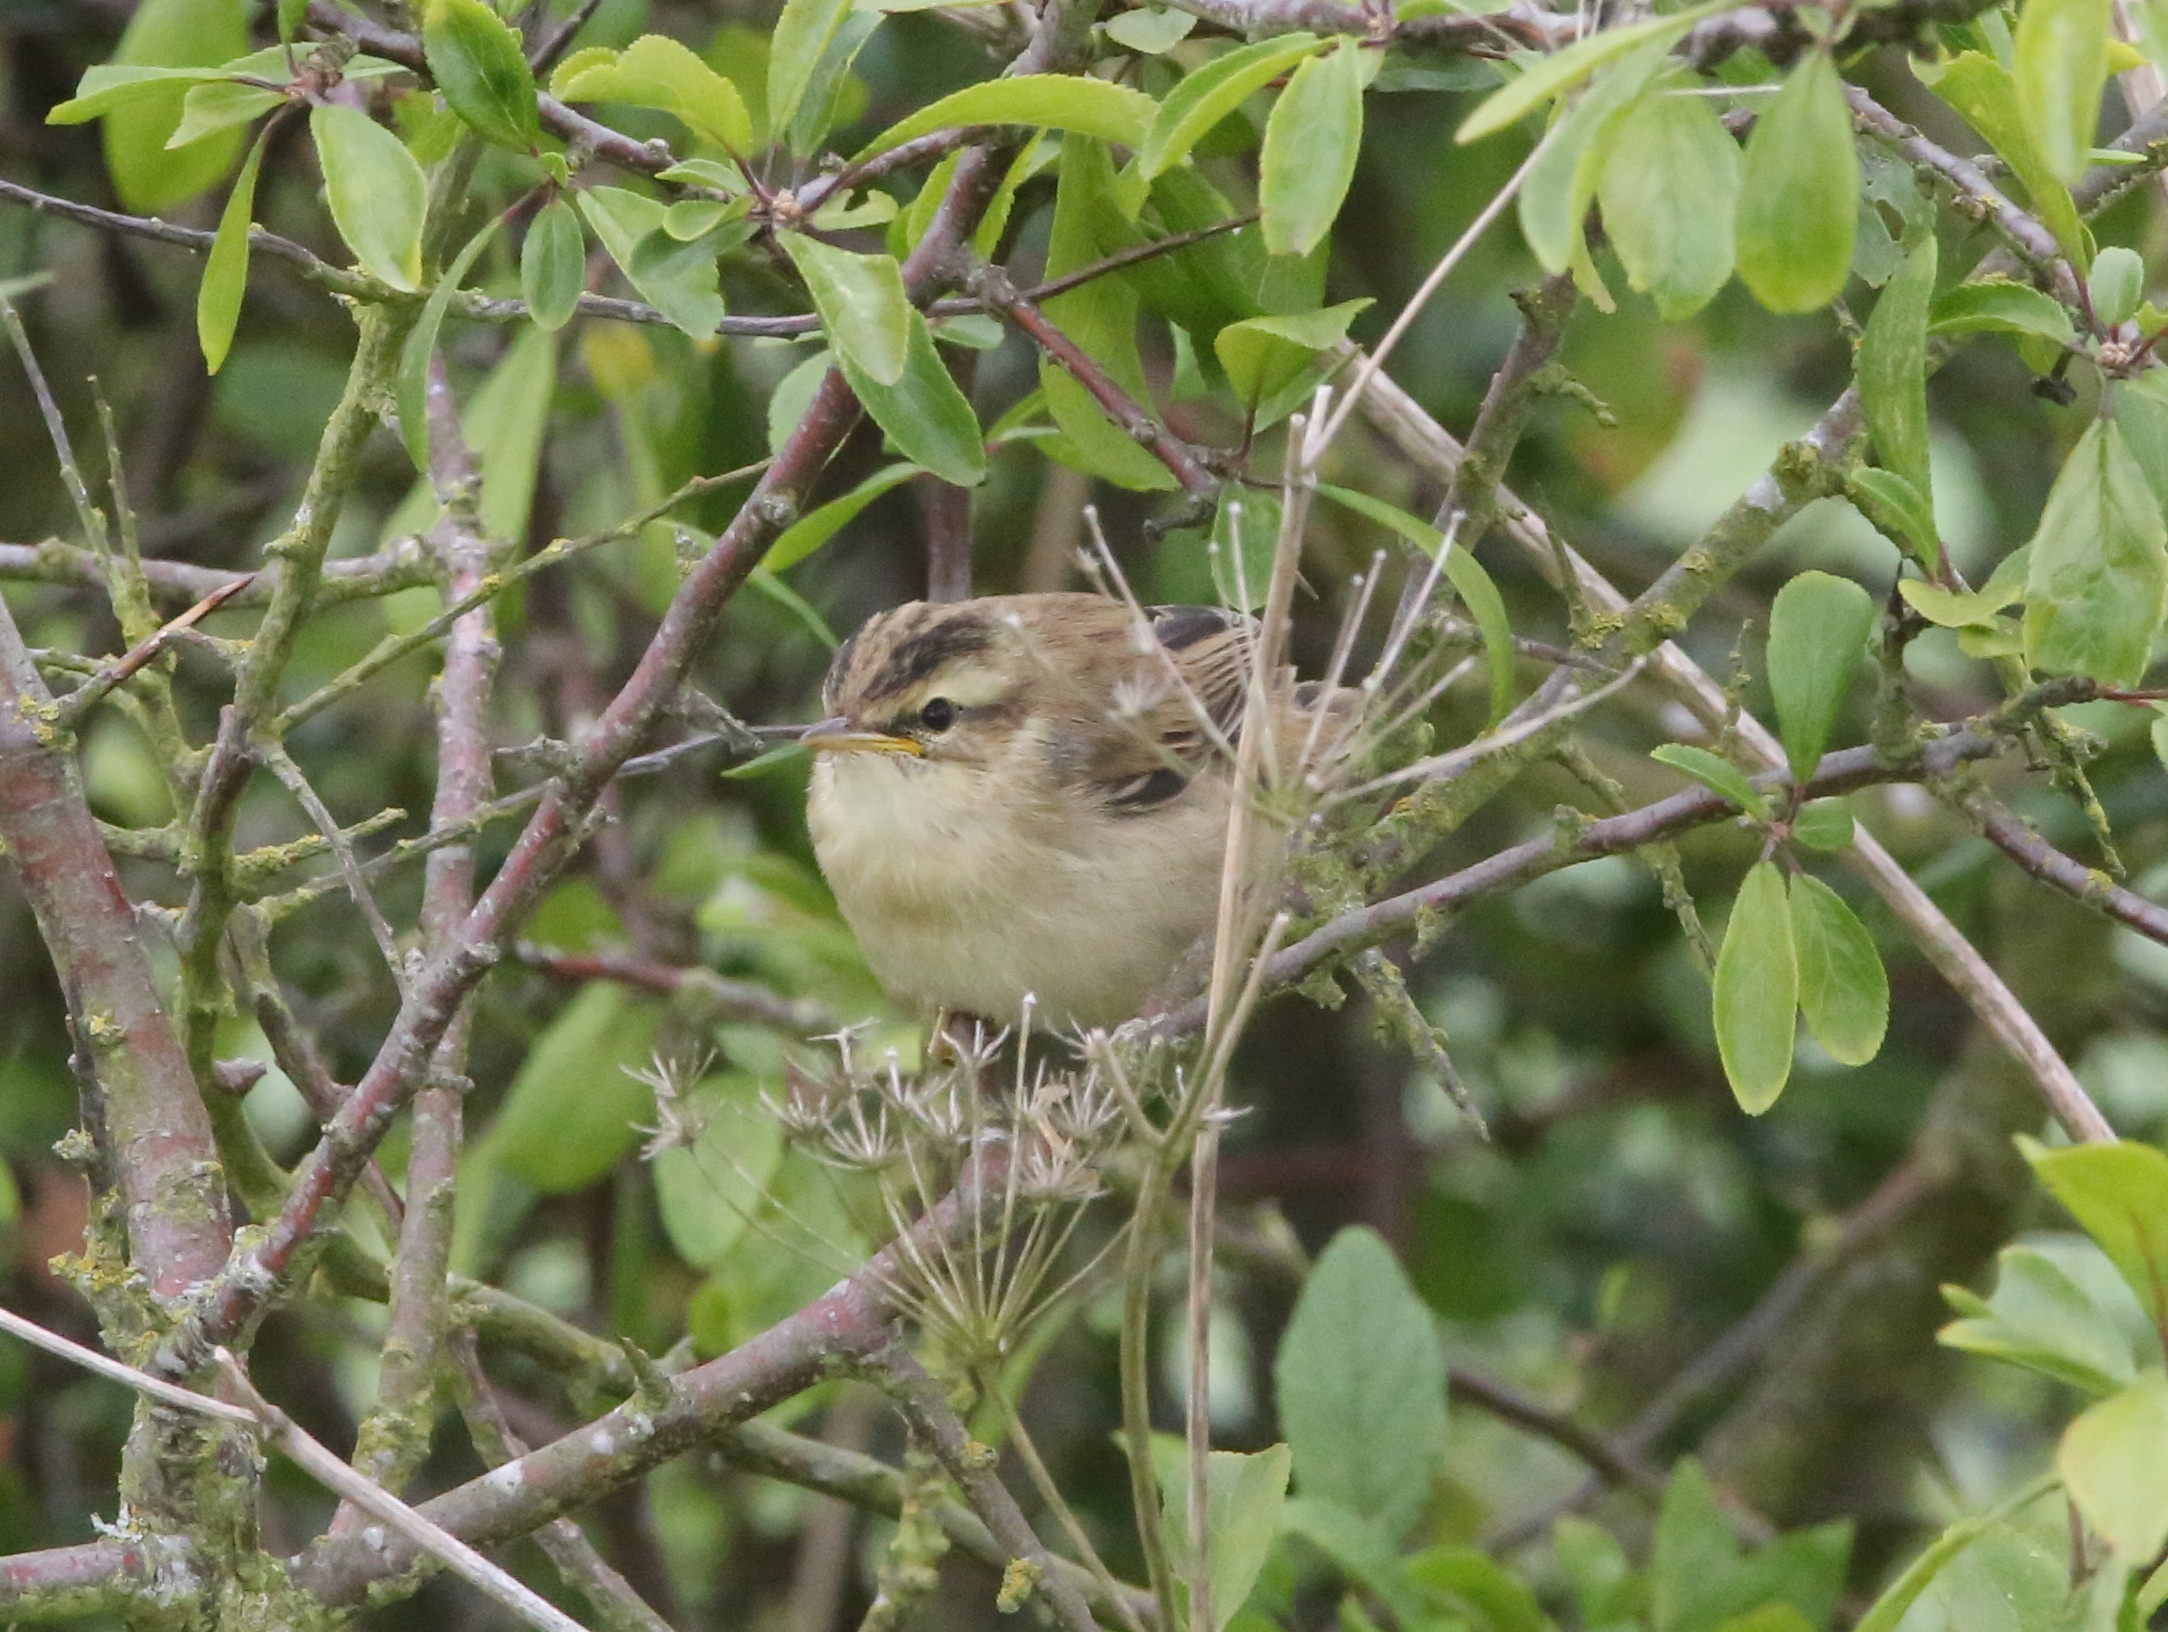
(1622, 1219)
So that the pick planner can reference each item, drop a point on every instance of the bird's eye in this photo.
(938, 715)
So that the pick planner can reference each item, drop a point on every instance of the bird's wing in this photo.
(1211, 647)
(1182, 711)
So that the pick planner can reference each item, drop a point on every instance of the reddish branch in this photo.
(716, 994)
(992, 285)
(93, 1579)
(153, 1135)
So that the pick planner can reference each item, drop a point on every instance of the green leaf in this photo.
(2141, 414)
(1818, 628)
(1463, 571)
(1717, 774)
(1692, 1554)
(720, 175)
(1982, 90)
(553, 265)
(571, 1112)
(1757, 991)
(1605, 1586)
(1949, 609)
(2119, 1194)
(707, 1191)
(1558, 73)
(225, 274)
(165, 34)
(1799, 193)
(1893, 370)
(112, 85)
(658, 72)
(1311, 143)
(378, 194)
(1265, 355)
(2041, 1318)
(1246, 1495)
(692, 218)
(1210, 93)
(1149, 29)
(1843, 991)
(2059, 67)
(1571, 163)
(1467, 1581)
(421, 346)
(802, 36)
(480, 66)
(220, 104)
(1897, 1599)
(837, 96)
(1824, 824)
(1670, 192)
(2111, 1463)
(1899, 511)
(688, 295)
(1101, 317)
(2000, 305)
(817, 526)
(1086, 107)
(1245, 538)
(291, 12)
(861, 301)
(1361, 1550)
(793, 395)
(1360, 1381)
(2099, 568)
(2117, 285)
(924, 414)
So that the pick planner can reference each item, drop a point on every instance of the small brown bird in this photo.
(1027, 795)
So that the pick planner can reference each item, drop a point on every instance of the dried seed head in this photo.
(679, 1122)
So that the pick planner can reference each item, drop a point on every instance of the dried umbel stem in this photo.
(906, 1140)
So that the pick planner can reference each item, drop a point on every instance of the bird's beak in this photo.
(836, 736)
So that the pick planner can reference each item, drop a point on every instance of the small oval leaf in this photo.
(2099, 569)
(1670, 194)
(478, 63)
(553, 265)
(1818, 628)
(1756, 997)
(1717, 774)
(1843, 990)
(1799, 193)
(378, 194)
(1311, 142)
